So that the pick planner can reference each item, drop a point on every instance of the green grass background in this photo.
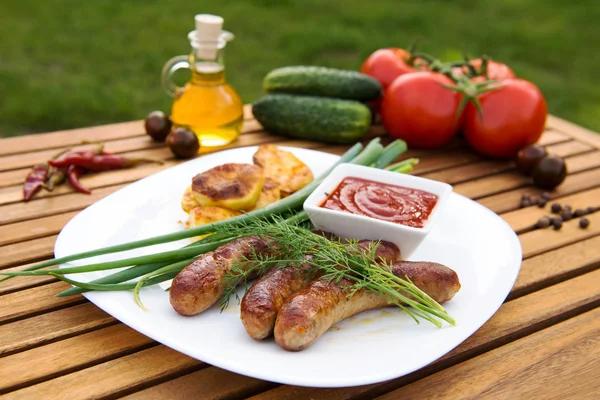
(73, 63)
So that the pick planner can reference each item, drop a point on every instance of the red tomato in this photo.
(385, 65)
(513, 116)
(419, 110)
(495, 71)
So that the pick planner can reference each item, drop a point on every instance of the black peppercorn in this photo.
(541, 202)
(579, 213)
(546, 195)
(584, 223)
(591, 210)
(556, 223)
(556, 208)
(566, 215)
(567, 207)
(543, 222)
(525, 203)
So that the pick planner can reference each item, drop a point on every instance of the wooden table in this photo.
(544, 341)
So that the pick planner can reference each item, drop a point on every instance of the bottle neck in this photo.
(208, 67)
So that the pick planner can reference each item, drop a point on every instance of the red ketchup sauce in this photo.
(382, 201)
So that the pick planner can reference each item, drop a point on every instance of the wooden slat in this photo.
(542, 240)
(69, 355)
(575, 131)
(23, 282)
(525, 218)
(51, 326)
(499, 183)
(124, 374)
(15, 161)
(14, 194)
(14, 177)
(53, 205)
(32, 229)
(556, 266)
(208, 383)
(24, 252)
(514, 319)
(510, 200)
(552, 136)
(72, 137)
(558, 362)
(35, 301)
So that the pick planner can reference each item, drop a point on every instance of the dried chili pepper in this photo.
(56, 177)
(35, 180)
(73, 174)
(99, 162)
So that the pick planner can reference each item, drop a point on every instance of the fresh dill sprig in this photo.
(336, 260)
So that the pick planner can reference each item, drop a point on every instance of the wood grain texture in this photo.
(513, 320)
(23, 282)
(32, 229)
(122, 375)
(510, 200)
(24, 252)
(557, 265)
(575, 131)
(558, 362)
(542, 240)
(34, 301)
(68, 355)
(17, 212)
(51, 326)
(525, 218)
(207, 384)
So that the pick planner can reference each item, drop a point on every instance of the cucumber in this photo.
(322, 119)
(324, 82)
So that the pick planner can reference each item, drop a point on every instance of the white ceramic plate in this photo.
(371, 347)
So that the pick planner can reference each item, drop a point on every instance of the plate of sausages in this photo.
(291, 328)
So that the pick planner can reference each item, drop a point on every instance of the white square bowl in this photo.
(347, 225)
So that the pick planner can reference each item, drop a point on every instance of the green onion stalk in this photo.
(159, 267)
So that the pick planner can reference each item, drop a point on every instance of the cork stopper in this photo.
(208, 31)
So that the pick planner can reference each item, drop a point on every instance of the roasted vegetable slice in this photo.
(188, 200)
(231, 185)
(205, 215)
(270, 193)
(283, 167)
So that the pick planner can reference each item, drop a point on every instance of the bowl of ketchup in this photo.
(361, 202)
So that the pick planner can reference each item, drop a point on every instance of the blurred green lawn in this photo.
(68, 63)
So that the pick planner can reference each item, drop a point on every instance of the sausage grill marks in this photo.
(310, 312)
(263, 300)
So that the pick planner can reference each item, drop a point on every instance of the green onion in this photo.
(109, 287)
(403, 166)
(390, 153)
(370, 153)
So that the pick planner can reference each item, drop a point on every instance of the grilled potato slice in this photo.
(270, 193)
(188, 201)
(199, 216)
(233, 186)
(283, 167)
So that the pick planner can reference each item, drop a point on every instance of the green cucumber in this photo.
(311, 117)
(323, 82)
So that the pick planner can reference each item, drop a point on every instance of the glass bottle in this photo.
(206, 104)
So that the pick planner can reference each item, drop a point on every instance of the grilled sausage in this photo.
(310, 312)
(264, 299)
(199, 285)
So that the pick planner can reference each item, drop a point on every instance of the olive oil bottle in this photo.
(206, 104)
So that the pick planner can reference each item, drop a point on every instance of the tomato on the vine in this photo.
(513, 115)
(496, 71)
(385, 65)
(418, 109)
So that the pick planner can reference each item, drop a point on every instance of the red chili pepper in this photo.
(98, 161)
(35, 180)
(56, 177)
(73, 174)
